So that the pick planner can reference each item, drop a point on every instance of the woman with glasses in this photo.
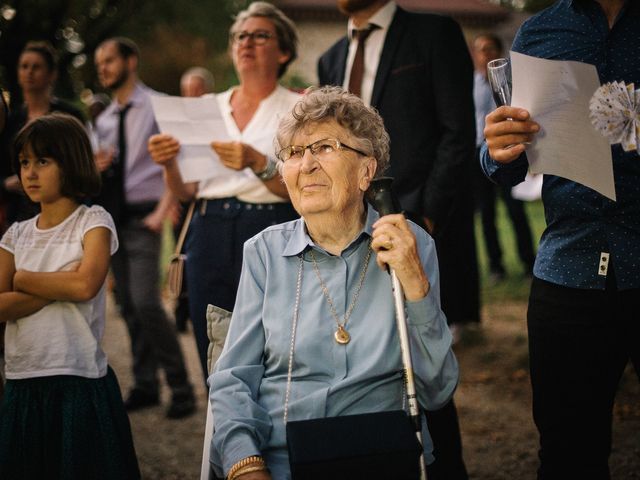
(250, 196)
(313, 332)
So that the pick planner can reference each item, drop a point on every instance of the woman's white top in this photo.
(260, 133)
(63, 338)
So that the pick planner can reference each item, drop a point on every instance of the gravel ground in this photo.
(493, 399)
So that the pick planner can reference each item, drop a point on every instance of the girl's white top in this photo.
(62, 338)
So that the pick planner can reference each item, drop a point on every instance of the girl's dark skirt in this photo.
(66, 427)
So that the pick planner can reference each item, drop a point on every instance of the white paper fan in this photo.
(615, 112)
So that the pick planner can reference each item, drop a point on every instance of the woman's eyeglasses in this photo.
(259, 37)
(321, 150)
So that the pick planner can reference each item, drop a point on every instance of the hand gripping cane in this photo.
(381, 197)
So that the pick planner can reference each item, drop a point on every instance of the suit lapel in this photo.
(391, 43)
(340, 65)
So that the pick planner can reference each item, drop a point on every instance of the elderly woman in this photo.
(310, 300)
(250, 196)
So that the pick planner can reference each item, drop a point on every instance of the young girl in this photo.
(62, 414)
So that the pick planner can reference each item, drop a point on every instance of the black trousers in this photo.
(447, 445)
(580, 342)
(485, 195)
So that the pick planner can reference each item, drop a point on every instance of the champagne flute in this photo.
(499, 77)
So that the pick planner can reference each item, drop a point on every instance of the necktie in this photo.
(122, 141)
(357, 69)
(119, 167)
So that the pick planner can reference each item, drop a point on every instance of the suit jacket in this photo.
(423, 91)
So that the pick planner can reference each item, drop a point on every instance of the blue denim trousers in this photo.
(214, 247)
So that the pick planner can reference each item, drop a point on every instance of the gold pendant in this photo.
(341, 335)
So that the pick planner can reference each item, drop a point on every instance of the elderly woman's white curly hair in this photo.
(326, 104)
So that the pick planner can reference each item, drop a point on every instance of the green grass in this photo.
(515, 287)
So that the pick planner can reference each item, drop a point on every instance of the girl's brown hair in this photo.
(63, 138)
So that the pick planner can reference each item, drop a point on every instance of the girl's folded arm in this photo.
(80, 285)
(15, 305)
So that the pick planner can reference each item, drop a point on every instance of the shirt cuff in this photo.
(236, 448)
(423, 312)
(513, 172)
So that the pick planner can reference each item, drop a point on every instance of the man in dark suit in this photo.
(416, 70)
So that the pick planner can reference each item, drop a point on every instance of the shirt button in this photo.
(226, 206)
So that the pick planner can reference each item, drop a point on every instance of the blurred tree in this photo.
(181, 33)
(524, 5)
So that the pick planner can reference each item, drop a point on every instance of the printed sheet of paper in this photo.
(557, 94)
(195, 123)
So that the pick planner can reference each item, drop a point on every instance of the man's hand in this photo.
(104, 158)
(154, 221)
(12, 184)
(506, 130)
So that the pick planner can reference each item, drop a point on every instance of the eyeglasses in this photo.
(321, 150)
(259, 37)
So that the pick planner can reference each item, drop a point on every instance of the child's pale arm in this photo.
(15, 305)
(80, 285)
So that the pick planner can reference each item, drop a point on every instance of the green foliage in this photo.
(185, 31)
(516, 285)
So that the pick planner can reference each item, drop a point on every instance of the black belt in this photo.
(232, 203)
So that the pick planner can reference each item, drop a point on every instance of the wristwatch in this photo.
(270, 170)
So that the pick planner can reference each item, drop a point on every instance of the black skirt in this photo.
(66, 427)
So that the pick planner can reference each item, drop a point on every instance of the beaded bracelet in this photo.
(248, 469)
(254, 460)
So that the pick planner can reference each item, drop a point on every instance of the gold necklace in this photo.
(341, 335)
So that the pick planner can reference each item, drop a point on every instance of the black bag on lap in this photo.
(372, 446)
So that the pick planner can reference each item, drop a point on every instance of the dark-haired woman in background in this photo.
(37, 73)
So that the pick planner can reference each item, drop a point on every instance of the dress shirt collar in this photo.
(300, 239)
(381, 19)
(136, 99)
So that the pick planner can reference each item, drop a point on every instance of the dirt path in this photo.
(493, 399)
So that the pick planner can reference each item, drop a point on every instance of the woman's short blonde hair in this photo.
(285, 29)
(326, 104)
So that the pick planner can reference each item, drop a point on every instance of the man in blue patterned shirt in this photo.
(584, 307)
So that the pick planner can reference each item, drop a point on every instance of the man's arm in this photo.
(155, 219)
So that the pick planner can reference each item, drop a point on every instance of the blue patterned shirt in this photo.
(581, 223)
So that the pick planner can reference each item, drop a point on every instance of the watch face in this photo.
(270, 171)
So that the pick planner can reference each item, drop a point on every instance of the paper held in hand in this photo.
(557, 94)
(195, 123)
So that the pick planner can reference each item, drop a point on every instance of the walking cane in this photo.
(381, 197)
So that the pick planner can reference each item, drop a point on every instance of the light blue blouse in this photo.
(249, 381)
